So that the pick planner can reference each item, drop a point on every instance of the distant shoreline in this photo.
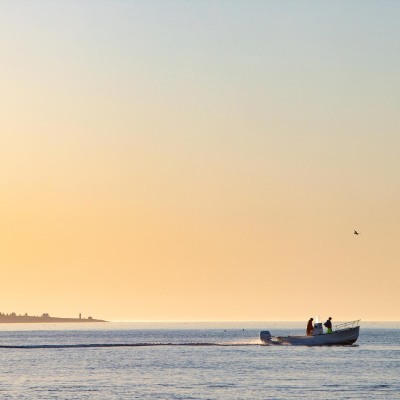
(14, 319)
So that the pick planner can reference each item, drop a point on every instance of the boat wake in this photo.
(106, 345)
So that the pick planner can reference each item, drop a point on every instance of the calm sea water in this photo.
(193, 361)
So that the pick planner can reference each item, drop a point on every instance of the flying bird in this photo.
(357, 233)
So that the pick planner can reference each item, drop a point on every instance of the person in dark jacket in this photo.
(310, 327)
(328, 325)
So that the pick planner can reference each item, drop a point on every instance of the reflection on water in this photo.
(193, 361)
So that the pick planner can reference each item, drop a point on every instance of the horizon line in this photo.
(247, 321)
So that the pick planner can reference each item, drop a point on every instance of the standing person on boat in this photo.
(328, 325)
(310, 327)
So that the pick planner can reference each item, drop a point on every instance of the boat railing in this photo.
(347, 325)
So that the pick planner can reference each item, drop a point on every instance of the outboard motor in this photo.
(265, 336)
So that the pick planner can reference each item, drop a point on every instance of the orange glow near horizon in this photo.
(151, 172)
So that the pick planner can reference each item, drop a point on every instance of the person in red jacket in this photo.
(310, 327)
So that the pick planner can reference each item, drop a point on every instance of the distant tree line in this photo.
(13, 314)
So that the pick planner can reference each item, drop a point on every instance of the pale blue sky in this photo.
(243, 129)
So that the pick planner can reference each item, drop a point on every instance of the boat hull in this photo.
(342, 337)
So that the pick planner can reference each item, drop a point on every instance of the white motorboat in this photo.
(342, 334)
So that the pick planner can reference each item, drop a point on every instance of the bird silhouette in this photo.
(357, 233)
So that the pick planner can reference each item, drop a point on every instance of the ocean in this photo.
(223, 360)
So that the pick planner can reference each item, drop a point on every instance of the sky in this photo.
(200, 160)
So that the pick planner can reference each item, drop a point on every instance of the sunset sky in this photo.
(200, 160)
